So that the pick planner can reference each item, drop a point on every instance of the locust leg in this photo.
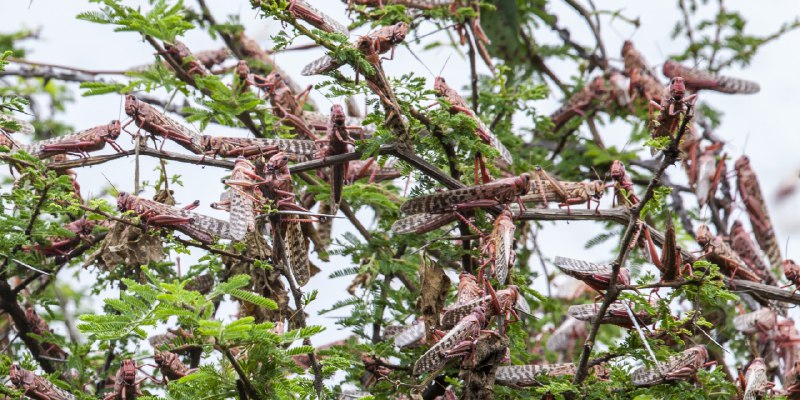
(191, 206)
(165, 220)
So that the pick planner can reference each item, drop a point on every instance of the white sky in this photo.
(766, 121)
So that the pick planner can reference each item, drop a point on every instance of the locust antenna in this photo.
(112, 185)
(445, 64)
(418, 59)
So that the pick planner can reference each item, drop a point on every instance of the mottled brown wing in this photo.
(435, 356)
(422, 223)
(297, 252)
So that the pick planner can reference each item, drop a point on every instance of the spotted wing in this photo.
(504, 239)
(422, 223)
(435, 356)
(581, 269)
(320, 66)
(410, 335)
(297, 251)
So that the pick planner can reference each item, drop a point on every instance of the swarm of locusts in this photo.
(267, 196)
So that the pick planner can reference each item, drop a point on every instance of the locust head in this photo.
(742, 163)
(670, 68)
(164, 358)
(277, 162)
(523, 183)
(17, 375)
(337, 115)
(124, 201)
(627, 47)
(617, 170)
(114, 129)
(677, 88)
(271, 82)
(440, 86)
(242, 70)
(131, 105)
(399, 31)
(703, 234)
(791, 270)
(128, 371)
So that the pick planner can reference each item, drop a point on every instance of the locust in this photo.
(355, 126)
(188, 61)
(501, 191)
(35, 386)
(410, 335)
(82, 230)
(285, 105)
(702, 80)
(336, 141)
(242, 198)
(617, 314)
(25, 127)
(171, 366)
(563, 339)
(157, 123)
(468, 288)
(278, 188)
(674, 105)
(374, 43)
(744, 247)
(720, 253)
(750, 191)
(210, 58)
(499, 246)
(416, 4)
(623, 186)
(303, 10)
(225, 146)
(369, 168)
(436, 210)
(759, 321)
(468, 328)
(643, 82)
(39, 327)
(791, 385)
(707, 173)
(197, 226)
(80, 143)
(505, 302)
(597, 276)
(201, 284)
(456, 105)
(755, 383)
(519, 376)
(126, 386)
(587, 100)
(792, 273)
(681, 366)
(544, 189)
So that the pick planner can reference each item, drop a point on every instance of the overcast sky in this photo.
(767, 121)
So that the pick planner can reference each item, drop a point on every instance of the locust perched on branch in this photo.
(157, 123)
(674, 105)
(597, 276)
(544, 189)
(372, 44)
(519, 376)
(225, 146)
(681, 366)
(436, 210)
(701, 80)
(80, 143)
(750, 191)
(197, 226)
(505, 302)
(457, 104)
(303, 10)
(755, 383)
(35, 386)
(285, 105)
(82, 230)
(617, 314)
(499, 246)
(467, 329)
(720, 253)
(417, 4)
(39, 327)
(590, 98)
(369, 168)
(759, 321)
(184, 56)
(171, 366)
(126, 386)
(744, 247)
(336, 141)
(243, 199)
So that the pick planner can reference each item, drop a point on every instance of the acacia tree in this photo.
(487, 149)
